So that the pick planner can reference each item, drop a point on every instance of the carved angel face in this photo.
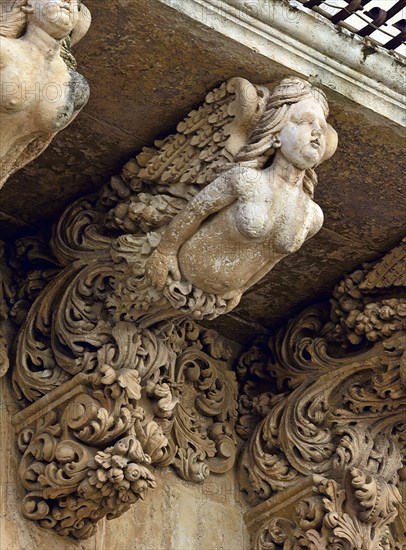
(56, 17)
(303, 138)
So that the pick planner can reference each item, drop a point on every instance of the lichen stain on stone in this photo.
(290, 7)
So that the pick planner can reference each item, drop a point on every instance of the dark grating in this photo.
(382, 21)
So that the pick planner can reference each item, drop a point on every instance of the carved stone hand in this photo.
(159, 266)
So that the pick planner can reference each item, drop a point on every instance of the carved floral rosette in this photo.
(325, 420)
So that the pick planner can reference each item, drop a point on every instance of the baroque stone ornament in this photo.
(88, 445)
(41, 92)
(326, 434)
(5, 295)
(118, 375)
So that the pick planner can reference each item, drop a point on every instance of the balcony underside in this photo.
(148, 65)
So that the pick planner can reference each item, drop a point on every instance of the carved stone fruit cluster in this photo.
(88, 446)
(326, 428)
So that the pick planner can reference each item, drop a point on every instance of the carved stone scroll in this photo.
(89, 445)
(41, 92)
(5, 296)
(323, 466)
(113, 305)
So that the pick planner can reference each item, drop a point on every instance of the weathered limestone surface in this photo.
(113, 374)
(176, 515)
(265, 146)
(130, 47)
(116, 390)
(41, 93)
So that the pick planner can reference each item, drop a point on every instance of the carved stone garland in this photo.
(323, 468)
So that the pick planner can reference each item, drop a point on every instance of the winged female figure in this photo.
(238, 227)
(186, 228)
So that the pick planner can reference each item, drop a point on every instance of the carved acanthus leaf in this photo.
(335, 416)
(89, 443)
(120, 293)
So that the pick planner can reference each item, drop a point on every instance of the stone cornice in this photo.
(305, 42)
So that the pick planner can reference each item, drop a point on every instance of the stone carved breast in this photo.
(297, 218)
(40, 91)
(50, 92)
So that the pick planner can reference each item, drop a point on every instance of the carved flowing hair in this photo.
(259, 150)
(13, 20)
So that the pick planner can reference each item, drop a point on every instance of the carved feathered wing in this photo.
(209, 138)
(155, 186)
(167, 175)
(389, 272)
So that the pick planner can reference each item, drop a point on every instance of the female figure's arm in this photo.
(218, 194)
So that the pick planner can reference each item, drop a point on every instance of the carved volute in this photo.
(113, 373)
(323, 467)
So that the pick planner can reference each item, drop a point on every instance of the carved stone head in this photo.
(57, 18)
(294, 126)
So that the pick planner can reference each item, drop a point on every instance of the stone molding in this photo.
(323, 406)
(301, 40)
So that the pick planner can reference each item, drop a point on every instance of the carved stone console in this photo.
(113, 373)
(88, 445)
(324, 409)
